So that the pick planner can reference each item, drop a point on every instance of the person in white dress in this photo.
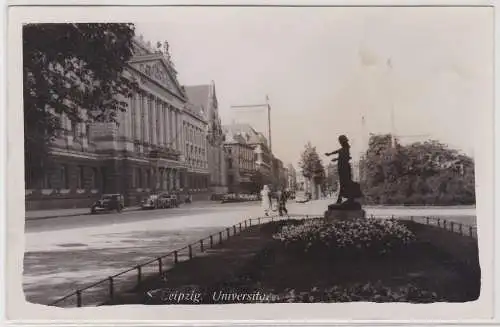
(265, 199)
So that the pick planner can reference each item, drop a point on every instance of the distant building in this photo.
(279, 172)
(240, 163)
(301, 182)
(292, 178)
(204, 96)
(194, 129)
(262, 155)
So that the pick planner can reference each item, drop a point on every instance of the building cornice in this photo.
(157, 83)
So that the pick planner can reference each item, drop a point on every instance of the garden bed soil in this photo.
(440, 263)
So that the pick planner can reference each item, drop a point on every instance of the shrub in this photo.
(360, 237)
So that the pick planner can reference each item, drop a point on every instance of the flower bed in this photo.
(361, 237)
(369, 292)
(289, 270)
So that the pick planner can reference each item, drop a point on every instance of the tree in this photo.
(75, 70)
(311, 165)
(420, 173)
(332, 177)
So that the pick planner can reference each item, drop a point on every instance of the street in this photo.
(65, 253)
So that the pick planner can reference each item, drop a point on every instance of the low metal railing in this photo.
(449, 225)
(105, 290)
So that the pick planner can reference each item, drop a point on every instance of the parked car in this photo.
(174, 200)
(108, 202)
(242, 197)
(165, 201)
(151, 202)
(302, 197)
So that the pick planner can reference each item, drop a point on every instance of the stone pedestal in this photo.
(345, 211)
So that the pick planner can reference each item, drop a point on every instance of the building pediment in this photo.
(155, 68)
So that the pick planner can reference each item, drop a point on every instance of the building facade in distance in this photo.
(241, 166)
(205, 97)
(292, 178)
(195, 152)
(262, 155)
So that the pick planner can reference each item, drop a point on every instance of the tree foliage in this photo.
(332, 178)
(311, 165)
(68, 68)
(420, 173)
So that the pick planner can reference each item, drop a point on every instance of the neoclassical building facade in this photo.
(145, 151)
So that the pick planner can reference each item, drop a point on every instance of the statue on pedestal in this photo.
(348, 188)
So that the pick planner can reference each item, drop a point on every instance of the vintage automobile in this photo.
(302, 197)
(174, 201)
(108, 202)
(151, 202)
(165, 201)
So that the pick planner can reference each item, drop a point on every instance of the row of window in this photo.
(61, 178)
(198, 182)
(195, 135)
(82, 177)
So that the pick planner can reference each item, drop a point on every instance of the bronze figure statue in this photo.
(348, 189)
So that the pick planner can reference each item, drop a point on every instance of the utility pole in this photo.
(391, 97)
(269, 123)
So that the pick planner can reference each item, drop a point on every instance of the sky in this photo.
(326, 68)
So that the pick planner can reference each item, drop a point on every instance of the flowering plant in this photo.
(369, 292)
(346, 238)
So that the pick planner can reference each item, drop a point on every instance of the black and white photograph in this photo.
(256, 155)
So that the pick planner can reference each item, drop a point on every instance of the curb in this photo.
(57, 216)
(68, 215)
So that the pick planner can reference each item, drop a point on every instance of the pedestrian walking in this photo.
(282, 198)
(265, 196)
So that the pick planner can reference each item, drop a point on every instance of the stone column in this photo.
(167, 129)
(161, 109)
(165, 179)
(128, 120)
(158, 178)
(144, 113)
(147, 124)
(169, 126)
(138, 117)
(171, 179)
(177, 129)
(152, 111)
(177, 179)
(174, 128)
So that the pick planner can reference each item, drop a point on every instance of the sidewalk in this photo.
(46, 214)
(56, 213)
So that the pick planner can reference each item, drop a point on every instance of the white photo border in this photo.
(19, 312)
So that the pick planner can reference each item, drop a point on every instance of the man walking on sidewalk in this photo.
(282, 198)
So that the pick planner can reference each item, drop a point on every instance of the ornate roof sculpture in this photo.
(156, 64)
